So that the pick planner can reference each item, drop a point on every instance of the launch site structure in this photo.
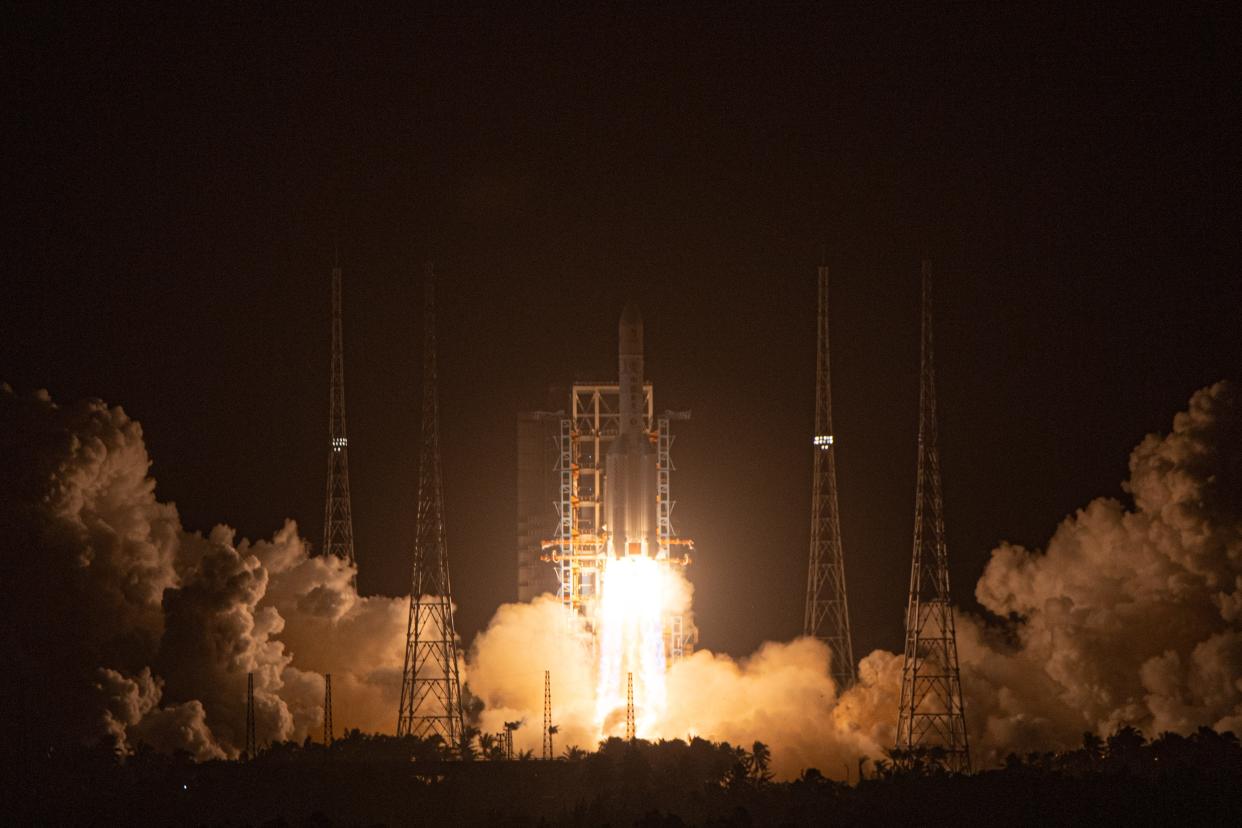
(827, 614)
(431, 682)
(252, 745)
(327, 710)
(931, 719)
(579, 549)
(338, 523)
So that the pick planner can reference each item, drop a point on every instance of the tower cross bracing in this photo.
(931, 723)
(827, 614)
(578, 551)
(431, 682)
(338, 524)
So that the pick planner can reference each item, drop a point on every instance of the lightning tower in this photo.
(827, 614)
(931, 722)
(431, 684)
(547, 715)
(629, 707)
(338, 523)
(327, 709)
(252, 749)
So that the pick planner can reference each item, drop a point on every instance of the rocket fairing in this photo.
(630, 485)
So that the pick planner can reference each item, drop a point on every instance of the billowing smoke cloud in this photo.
(120, 624)
(781, 695)
(1131, 616)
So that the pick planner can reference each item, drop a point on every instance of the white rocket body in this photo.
(630, 485)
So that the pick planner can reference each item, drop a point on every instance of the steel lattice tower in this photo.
(252, 747)
(327, 709)
(547, 715)
(629, 707)
(338, 523)
(431, 684)
(827, 615)
(931, 723)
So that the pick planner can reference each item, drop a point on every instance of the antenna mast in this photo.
(827, 615)
(931, 723)
(431, 684)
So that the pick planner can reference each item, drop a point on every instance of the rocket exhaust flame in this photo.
(636, 588)
(635, 599)
(1132, 613)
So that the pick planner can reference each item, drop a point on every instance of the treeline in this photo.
(372, 779)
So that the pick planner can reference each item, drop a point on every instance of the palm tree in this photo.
(468, 753)
(552, 731)
(491, 748)
(760, 759)
(573, 753)
(509, 728)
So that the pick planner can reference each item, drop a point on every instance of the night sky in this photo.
(174, 185)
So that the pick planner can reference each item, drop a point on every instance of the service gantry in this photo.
(579, 549)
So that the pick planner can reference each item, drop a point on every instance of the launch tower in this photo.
(827, 611)
(613, 492)
(931, 721)
(431, 684)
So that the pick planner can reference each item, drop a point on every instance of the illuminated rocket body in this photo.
(630, 493)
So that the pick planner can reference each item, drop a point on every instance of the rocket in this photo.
(630, 483)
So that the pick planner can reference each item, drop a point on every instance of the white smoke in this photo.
(120, 624)
(782, 694)
(1131, 616)
(124, 625)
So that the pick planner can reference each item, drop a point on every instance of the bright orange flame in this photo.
(630, 622)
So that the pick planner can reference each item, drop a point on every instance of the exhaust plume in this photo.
(121, 625)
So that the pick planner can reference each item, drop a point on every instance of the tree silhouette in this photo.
(760, 759)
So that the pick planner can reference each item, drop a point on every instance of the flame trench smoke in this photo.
(1130, 616)
(117, 623)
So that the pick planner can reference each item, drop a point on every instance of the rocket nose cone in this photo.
(631, 330)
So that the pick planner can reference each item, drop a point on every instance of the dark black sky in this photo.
(172, 185)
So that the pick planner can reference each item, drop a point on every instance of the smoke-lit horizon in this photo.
(1131, 614)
